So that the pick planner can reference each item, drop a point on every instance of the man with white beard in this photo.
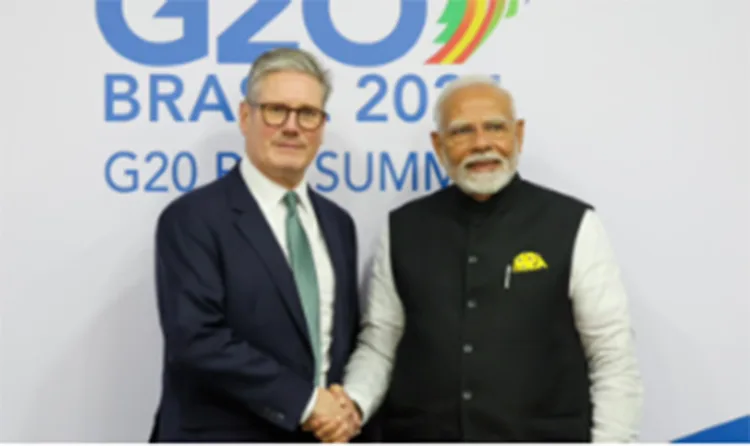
(496, 312)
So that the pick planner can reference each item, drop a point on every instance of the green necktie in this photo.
(303, 268)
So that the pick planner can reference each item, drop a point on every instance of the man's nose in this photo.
(290, 126)
(481, 141)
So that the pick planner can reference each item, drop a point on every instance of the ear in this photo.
(243, 114)
(520, 130)
(437, 144)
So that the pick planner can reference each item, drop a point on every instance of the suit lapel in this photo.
(252, 224)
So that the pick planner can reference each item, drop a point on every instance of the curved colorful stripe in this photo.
(451, 18)
(481, 32)
(512, 9)
(469, 14)
(480, 16)
(496, 18)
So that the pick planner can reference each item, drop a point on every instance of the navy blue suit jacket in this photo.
(238, 365)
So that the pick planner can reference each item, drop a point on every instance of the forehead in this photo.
(475, 103)
(291, 88)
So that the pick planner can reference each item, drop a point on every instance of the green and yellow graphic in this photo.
(468, 23)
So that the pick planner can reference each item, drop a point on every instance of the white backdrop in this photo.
(640, 107)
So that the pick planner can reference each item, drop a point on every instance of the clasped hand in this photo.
(335, 418)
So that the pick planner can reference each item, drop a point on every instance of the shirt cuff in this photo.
(361, 403)
(310, 406)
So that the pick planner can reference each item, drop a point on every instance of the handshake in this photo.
(335, 418)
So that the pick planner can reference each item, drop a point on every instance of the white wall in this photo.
(640, 107)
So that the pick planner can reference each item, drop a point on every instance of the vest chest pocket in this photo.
(531, 286)
(529, 275)
(528, 305)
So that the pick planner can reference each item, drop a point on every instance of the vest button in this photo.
(472, 259)
(466, 395)
(468, 348)
(471, 304)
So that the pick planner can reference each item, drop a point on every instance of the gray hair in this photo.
(463, 82)
(286, 59)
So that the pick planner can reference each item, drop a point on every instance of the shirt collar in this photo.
(267, 192)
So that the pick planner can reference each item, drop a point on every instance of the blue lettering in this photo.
(365, 113)
(193, 44)
(212, 85)
(151, 184)
(111, 97)
(184, 172)
(234, 45)
(444, 79)
(192, 171)
(398, 98)
(401, 175)
(168, 98)
(165, 92)
(348, 173)
(183, 169)
(450, 77)
(222, 168)
(130, 174)
(327, 171)
(386, 166)
(317, 16)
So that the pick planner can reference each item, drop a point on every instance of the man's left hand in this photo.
(337, 431)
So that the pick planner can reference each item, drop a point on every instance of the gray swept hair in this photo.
(463, 82)
(286, 59)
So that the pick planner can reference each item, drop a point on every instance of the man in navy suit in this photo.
(257, 281)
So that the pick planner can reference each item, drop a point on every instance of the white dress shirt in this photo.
(601, 316)
(269, 196)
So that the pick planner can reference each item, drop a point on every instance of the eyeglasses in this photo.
(276, 114)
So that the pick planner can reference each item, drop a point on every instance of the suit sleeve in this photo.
(197, 337)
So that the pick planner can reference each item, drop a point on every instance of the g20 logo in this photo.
(468, 23)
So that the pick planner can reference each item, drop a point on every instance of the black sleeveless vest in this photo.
(490, 351)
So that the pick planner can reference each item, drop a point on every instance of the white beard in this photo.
(483, 183)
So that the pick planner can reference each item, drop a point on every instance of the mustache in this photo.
(484, 157)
